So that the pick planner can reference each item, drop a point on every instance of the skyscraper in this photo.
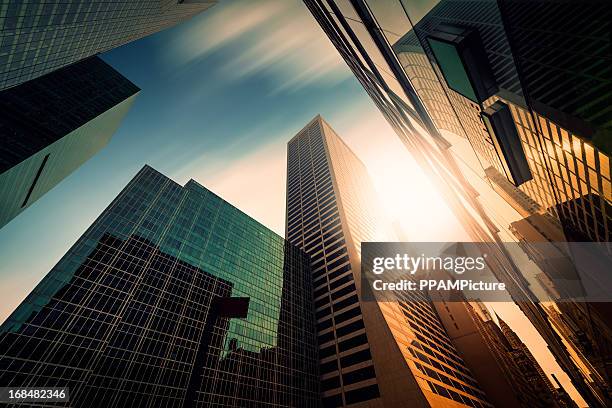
(464, 72)
(560, 129)
(564, 71)
(172, 297)
(51, 125)
(588, 340)
(492, 357)
(469, 88)
(39, 37)
(371, 354)
(523, 357)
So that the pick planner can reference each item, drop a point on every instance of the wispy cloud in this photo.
(224, 23)
(275, 38)
(255, 184)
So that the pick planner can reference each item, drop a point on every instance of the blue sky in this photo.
(218, 103)
(221, 95)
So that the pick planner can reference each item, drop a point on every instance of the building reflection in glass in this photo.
(455, 59)
(157, 301)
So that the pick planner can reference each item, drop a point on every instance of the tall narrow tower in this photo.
(371, 354)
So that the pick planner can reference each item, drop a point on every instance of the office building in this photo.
(562, 160)
(529, 366)
(564, 69)
(587, 340)
(465, 87)
(426, 84)
(172, 297)
(39, 37)
(491, 356)
(585, 327)
(480, 91)
(371, 353)
(353, 27)
(53, 124)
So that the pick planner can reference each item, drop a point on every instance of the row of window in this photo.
(352, 397)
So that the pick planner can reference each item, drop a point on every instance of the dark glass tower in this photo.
(563, 52)
(38, 37)
(51, 125)
(172, 297)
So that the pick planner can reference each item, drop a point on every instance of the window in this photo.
(356, 358)
(362, 394)
(350, 328)
(330, 383)
(359, 375)
(353, 342)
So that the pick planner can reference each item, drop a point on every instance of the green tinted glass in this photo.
(452, 68)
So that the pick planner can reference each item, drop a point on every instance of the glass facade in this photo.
(562, 52)
(379, 354)
(138, 312)
(40, 112)
(51, 125)
(549, 66)
(402, 34)
(553, 115)
(37, 37)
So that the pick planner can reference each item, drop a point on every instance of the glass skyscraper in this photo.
(37, 37)
(390, 354)
(505, 105)
(172, 298)
(557, 107)
(397, 50)
(51, 125)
